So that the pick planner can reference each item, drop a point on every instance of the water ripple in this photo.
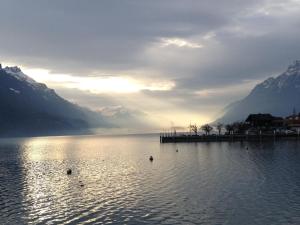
(113, 182)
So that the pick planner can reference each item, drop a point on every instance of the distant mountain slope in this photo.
(31, 108)
(277, 96)
(122, 117)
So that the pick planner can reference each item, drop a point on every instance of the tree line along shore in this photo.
(255, 127)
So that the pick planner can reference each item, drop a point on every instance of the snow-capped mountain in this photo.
(31, 108)
(276, 95)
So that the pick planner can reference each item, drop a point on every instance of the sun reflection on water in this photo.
(98, 178)
(113, 181)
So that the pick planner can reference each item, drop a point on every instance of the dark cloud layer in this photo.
(98, 35)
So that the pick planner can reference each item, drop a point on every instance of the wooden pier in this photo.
(175, 138)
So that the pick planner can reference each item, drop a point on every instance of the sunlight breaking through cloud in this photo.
(241, 89)
(178, 42)
(99, 84)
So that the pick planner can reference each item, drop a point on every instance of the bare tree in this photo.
(206, 128)
(239, 127)
(219, 127)
(194, 129)
(229, 128)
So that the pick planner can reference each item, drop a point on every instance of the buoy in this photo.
(151, 158)
(176, 150)
(69, 171)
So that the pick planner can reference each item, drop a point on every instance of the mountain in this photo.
(122, 117)
(276, 95)
(31, 108)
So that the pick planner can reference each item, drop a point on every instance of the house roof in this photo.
(262, 117)
(293, 116)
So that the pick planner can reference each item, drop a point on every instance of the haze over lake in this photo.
(113, 181)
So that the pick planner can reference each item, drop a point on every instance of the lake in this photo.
(113, 181)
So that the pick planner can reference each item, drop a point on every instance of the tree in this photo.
(239, 127)
(194, 129)
(206, 128)
(229, 128)
(219, 127)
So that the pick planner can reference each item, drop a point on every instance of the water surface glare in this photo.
(113, 181)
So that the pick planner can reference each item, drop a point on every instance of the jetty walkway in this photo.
(174, 138)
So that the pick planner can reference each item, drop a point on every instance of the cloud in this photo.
(80, 37)
(178, 42)
(238, 89)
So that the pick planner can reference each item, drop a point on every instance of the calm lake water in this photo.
(113, 181)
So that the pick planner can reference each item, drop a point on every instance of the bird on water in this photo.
(69, 171)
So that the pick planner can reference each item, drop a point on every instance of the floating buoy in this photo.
(69, 171)
(151, 158)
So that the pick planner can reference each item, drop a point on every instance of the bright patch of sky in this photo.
(178, 42)
(99, 84)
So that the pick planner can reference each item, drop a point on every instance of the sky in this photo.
(173, 61)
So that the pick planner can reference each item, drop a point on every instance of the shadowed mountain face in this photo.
(278, 96)
(30, 108)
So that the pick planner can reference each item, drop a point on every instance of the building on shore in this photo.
(293, 122)
(264, 121)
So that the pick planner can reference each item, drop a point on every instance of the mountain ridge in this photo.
(31, 108)
(276, 95)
